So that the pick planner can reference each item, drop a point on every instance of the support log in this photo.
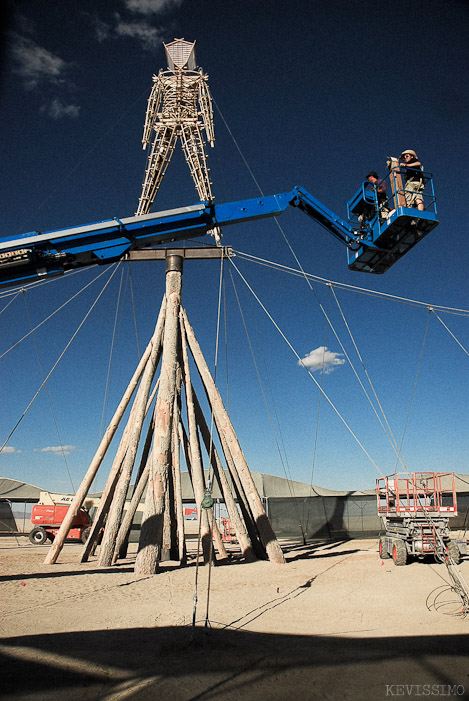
(149, 548)
(95, 464)
(240, 529)
(243, 502)
(176, 466)
(139, 487)
(198, 480)
(122, 541)
(114, 474)
(268, 538)
(135, 430)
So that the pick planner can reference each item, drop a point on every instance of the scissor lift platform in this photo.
(415, 510)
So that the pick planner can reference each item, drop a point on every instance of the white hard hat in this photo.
(412, 153)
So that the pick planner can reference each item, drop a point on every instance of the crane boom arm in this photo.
(36, 255)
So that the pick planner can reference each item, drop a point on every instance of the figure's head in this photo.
(408, 154)
(372, 176)
(180, 54)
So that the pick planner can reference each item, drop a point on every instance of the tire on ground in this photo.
(383, 553)
(37, 536)
(399, 552)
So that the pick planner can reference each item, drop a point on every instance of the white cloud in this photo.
(322, 358)
(137, 21)
(103, 30)
(44, 72)
(151, 7)
(9, 449)
(149, 37)
(35, 64)
(57, 449)
(57, 109)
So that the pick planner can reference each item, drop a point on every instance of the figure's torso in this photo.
(179, 96)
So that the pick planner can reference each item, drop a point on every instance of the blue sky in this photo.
(313, 94)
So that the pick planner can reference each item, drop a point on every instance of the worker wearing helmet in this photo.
(413, 179)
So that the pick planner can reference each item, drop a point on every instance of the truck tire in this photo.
(383, 552)
(37, 536)
(399, 552)
(85, 535)
(453, 552)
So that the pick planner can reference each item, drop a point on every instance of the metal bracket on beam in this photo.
(186, 253)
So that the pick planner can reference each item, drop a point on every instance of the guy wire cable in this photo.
(111, 352)
(346, 286)
(411, 401)
(220, 288)
(449, 331)
(103, 272)
(59, 358)
(282, 460)
(316, 433)
(49, 399)
(326, 396)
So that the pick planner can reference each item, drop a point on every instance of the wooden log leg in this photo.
(268, 538)
(176, 467)
(204, 526)
(397, 184)
(126, 524)
(246, 512)
(198, 480)
(149, 547)
(122, 541)
(95, 464)
(101, 513)
(117, 466)
(135, 425)
(240, 529)
(167, 531)
(216, 535)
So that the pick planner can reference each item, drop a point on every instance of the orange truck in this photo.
(47, 519)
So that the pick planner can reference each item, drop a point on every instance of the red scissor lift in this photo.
(415, 510)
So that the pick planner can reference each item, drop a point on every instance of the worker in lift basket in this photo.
(413, 178)
(380, 186)
(369, 211)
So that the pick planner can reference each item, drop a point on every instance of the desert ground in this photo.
(335, 622)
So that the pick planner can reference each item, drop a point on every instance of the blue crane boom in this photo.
(373, 247)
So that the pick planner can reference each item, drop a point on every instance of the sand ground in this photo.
(335, 622)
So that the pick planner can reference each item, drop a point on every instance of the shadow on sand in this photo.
(172, 663)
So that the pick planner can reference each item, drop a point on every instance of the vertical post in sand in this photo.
(149, 547)
(266, 533)
(95, 464)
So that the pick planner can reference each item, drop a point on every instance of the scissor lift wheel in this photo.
(383, 551)
(399, 552)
